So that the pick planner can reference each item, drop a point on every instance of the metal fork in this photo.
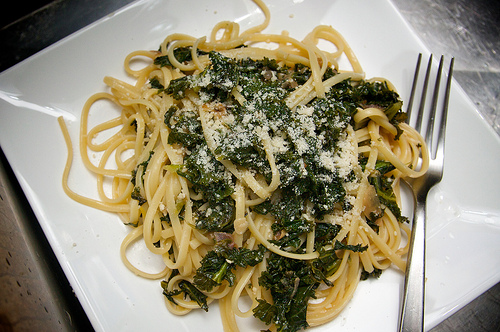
(412, 309)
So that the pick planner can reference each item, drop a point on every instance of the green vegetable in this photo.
(218, 264)
(325, 265)
(177, 87)
(189, 290)
(293, 283)
(385, 193)
(182, 54)
(144, 165)
(378, 94)
(155, 83)
(325, 233)
(383, 188)
(136, 192)
(310, 186)
(354, 248)
(376, 273)
(217, 217)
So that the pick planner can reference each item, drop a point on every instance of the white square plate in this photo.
(464, 217)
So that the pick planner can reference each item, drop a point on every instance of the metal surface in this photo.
(34, 293)
(469, 31)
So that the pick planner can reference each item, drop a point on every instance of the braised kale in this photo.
(376, 273)
(385, 193)
(136, 192)
(204, 172)
(383, 187)
(310, 187)
(181, 54)
(292, 284)
(218, 264)
(378, 94)
(189, 290)
(217, 217)
(185, 128)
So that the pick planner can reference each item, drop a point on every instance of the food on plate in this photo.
(264, 174)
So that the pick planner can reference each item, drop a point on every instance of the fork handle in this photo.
(412, 310)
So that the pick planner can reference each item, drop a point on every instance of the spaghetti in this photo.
(257, 172)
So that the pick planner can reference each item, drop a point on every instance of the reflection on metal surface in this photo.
(29, 272)
(469, 31)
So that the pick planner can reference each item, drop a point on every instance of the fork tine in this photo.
(421, 109)
(413, 89)
(428, 135)
(432, 116)
(439, 153)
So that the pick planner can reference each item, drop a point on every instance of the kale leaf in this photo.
(217, 217)
(223, 72)
(182, 54)
(292, 284)
(213, 270)
(385, 193)
(325, 265)
(354, 248)
(144, 165)
(383, 187)
(177, 88)
(376, 273)
(378, 94)
(206, 174)
(185, 128)
(218, 265)
(325, 233)
(155, 83)
(136, 192)
(189, 290)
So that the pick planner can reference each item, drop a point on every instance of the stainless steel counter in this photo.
(34, 293)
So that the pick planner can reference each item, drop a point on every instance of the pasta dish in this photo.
(265, 176)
